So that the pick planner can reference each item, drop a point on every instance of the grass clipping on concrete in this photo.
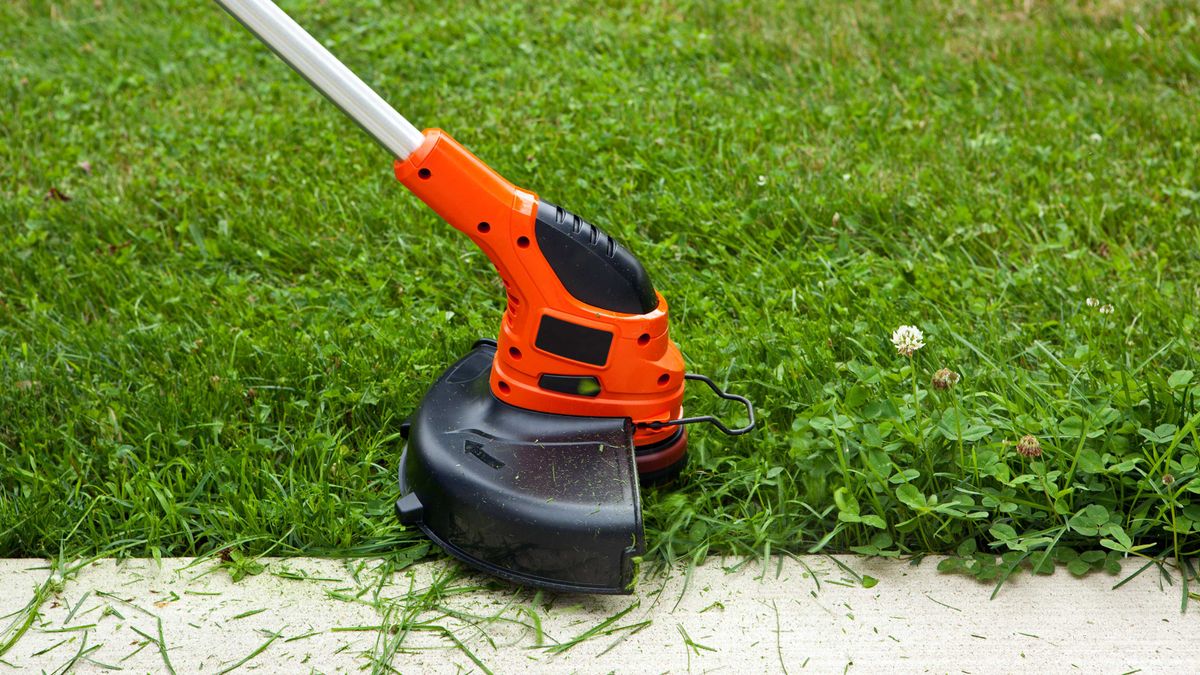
(216, 305)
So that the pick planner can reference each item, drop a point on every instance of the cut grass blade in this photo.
(159, 642)
(593, 631)
(246, 659)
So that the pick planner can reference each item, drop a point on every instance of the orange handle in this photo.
(557, 354)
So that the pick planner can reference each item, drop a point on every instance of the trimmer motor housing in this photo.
(584, 332)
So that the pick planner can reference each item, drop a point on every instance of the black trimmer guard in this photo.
(543, 500)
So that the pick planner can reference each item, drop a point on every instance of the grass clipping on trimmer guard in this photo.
(524, 457)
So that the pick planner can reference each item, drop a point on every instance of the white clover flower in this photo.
(1093, 302)
(907, 340)
(1106, 309)
(1095, 138)
(762, 180)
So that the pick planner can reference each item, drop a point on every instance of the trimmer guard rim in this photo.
(538, 499)
(497, 571)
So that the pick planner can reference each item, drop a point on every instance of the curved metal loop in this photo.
(709, 418)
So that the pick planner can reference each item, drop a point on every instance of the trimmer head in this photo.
(538, 499)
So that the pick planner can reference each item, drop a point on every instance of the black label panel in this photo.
(572, 341)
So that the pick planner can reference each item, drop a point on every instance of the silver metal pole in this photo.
(330, 76)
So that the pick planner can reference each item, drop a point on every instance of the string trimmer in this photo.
(524, 457)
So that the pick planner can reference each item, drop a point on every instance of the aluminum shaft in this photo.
(331, 77)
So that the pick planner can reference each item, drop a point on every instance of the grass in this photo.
(216, 305)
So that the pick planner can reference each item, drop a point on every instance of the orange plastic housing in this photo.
(642, 378)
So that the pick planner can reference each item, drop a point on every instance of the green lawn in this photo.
(217, 305)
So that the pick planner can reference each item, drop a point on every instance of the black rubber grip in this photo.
(591, 265)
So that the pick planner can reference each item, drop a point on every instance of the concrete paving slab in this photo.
(811, 614)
